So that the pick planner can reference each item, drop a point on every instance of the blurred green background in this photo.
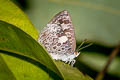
(94, 20)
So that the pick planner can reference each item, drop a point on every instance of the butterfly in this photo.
(58, 37)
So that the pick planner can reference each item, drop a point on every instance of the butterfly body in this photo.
(58, 38)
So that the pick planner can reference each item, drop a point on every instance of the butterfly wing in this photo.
(54, 40)
(64, 20)
(58, 36)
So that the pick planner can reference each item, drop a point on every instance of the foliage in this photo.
(23, 58)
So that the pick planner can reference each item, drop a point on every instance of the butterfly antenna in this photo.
(85, 46)
(81, 45)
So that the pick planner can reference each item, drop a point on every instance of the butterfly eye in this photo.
(76, 52)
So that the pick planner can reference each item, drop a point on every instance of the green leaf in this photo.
(23, 69)
(94, 20)
(5, 73)
(71, 73)
(17, 43)
(10, 13)
(97, 61)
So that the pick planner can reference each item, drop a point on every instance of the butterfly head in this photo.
(76, 53)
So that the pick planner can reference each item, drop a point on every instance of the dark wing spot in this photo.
(69, 49)
(59, 50)
(54, 47)
(43, 35)
(66, 21)
(60, 21)
(58, 44)
(65, 42)
(46, 44)
(69, 37)
(54, 39)
(63, 48)
(67, 30)
(58, 34)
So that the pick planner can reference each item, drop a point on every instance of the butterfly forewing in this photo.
(64, 20)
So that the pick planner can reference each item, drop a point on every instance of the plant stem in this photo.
(111, 57)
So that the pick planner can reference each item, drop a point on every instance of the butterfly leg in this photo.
(73, 62)
(69, 62)
(66, 62)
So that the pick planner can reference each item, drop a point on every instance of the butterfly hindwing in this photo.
(54, 40)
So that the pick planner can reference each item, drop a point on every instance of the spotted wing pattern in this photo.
(58, 37)
(51, 36)
(63, 18)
